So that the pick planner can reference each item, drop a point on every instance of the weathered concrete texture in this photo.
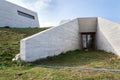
(51, 42)
(10, 17)
(67, 37)
(108, 36)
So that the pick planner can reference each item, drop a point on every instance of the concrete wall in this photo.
(51, 42)
(88, 24)
(67, 37)
(108, 36)
(10, 17)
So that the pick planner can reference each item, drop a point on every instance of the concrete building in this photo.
(15, 16)
(81, 33)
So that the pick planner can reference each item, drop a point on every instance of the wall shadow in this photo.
(78, 58)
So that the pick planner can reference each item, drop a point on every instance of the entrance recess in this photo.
(88, 40)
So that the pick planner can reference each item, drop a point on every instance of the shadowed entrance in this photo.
(88, 40)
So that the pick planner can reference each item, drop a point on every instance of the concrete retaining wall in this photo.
(51, 42)
(108, 36)
(67, 37)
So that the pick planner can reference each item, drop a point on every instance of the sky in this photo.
(51, 12)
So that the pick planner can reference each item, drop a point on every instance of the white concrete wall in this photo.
(10, 17)
(66, 37)
(108, 36)
(51, 42)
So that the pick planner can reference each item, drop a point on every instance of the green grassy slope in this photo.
(79, 58)
(41, 73)
(9, 47)
(10, 41)
(10, 37)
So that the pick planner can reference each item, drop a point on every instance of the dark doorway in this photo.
(88, 40)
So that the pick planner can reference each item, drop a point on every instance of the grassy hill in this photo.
(10, 37)
(10, 41)
(9, 47)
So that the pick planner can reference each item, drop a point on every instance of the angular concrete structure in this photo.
(15, 16)
(81, 33)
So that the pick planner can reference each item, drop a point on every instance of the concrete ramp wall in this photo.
(51, 42)
(108, 36)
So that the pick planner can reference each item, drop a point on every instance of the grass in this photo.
(9, 47)
(10, 42)
(41, 73)
(10, 37)
(79, 58)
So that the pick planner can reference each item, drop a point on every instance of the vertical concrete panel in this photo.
(88, 24)
(108, 38)
(51, 42)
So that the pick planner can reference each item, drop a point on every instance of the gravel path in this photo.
(78, 68)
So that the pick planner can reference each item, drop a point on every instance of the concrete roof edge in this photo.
(109, 20)
(86, 17)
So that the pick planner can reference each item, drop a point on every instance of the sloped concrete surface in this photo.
(67, 37)
(108, 36)
(51, 42)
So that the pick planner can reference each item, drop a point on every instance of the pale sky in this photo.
(51, 12)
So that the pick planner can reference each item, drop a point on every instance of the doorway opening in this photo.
(88, 41)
